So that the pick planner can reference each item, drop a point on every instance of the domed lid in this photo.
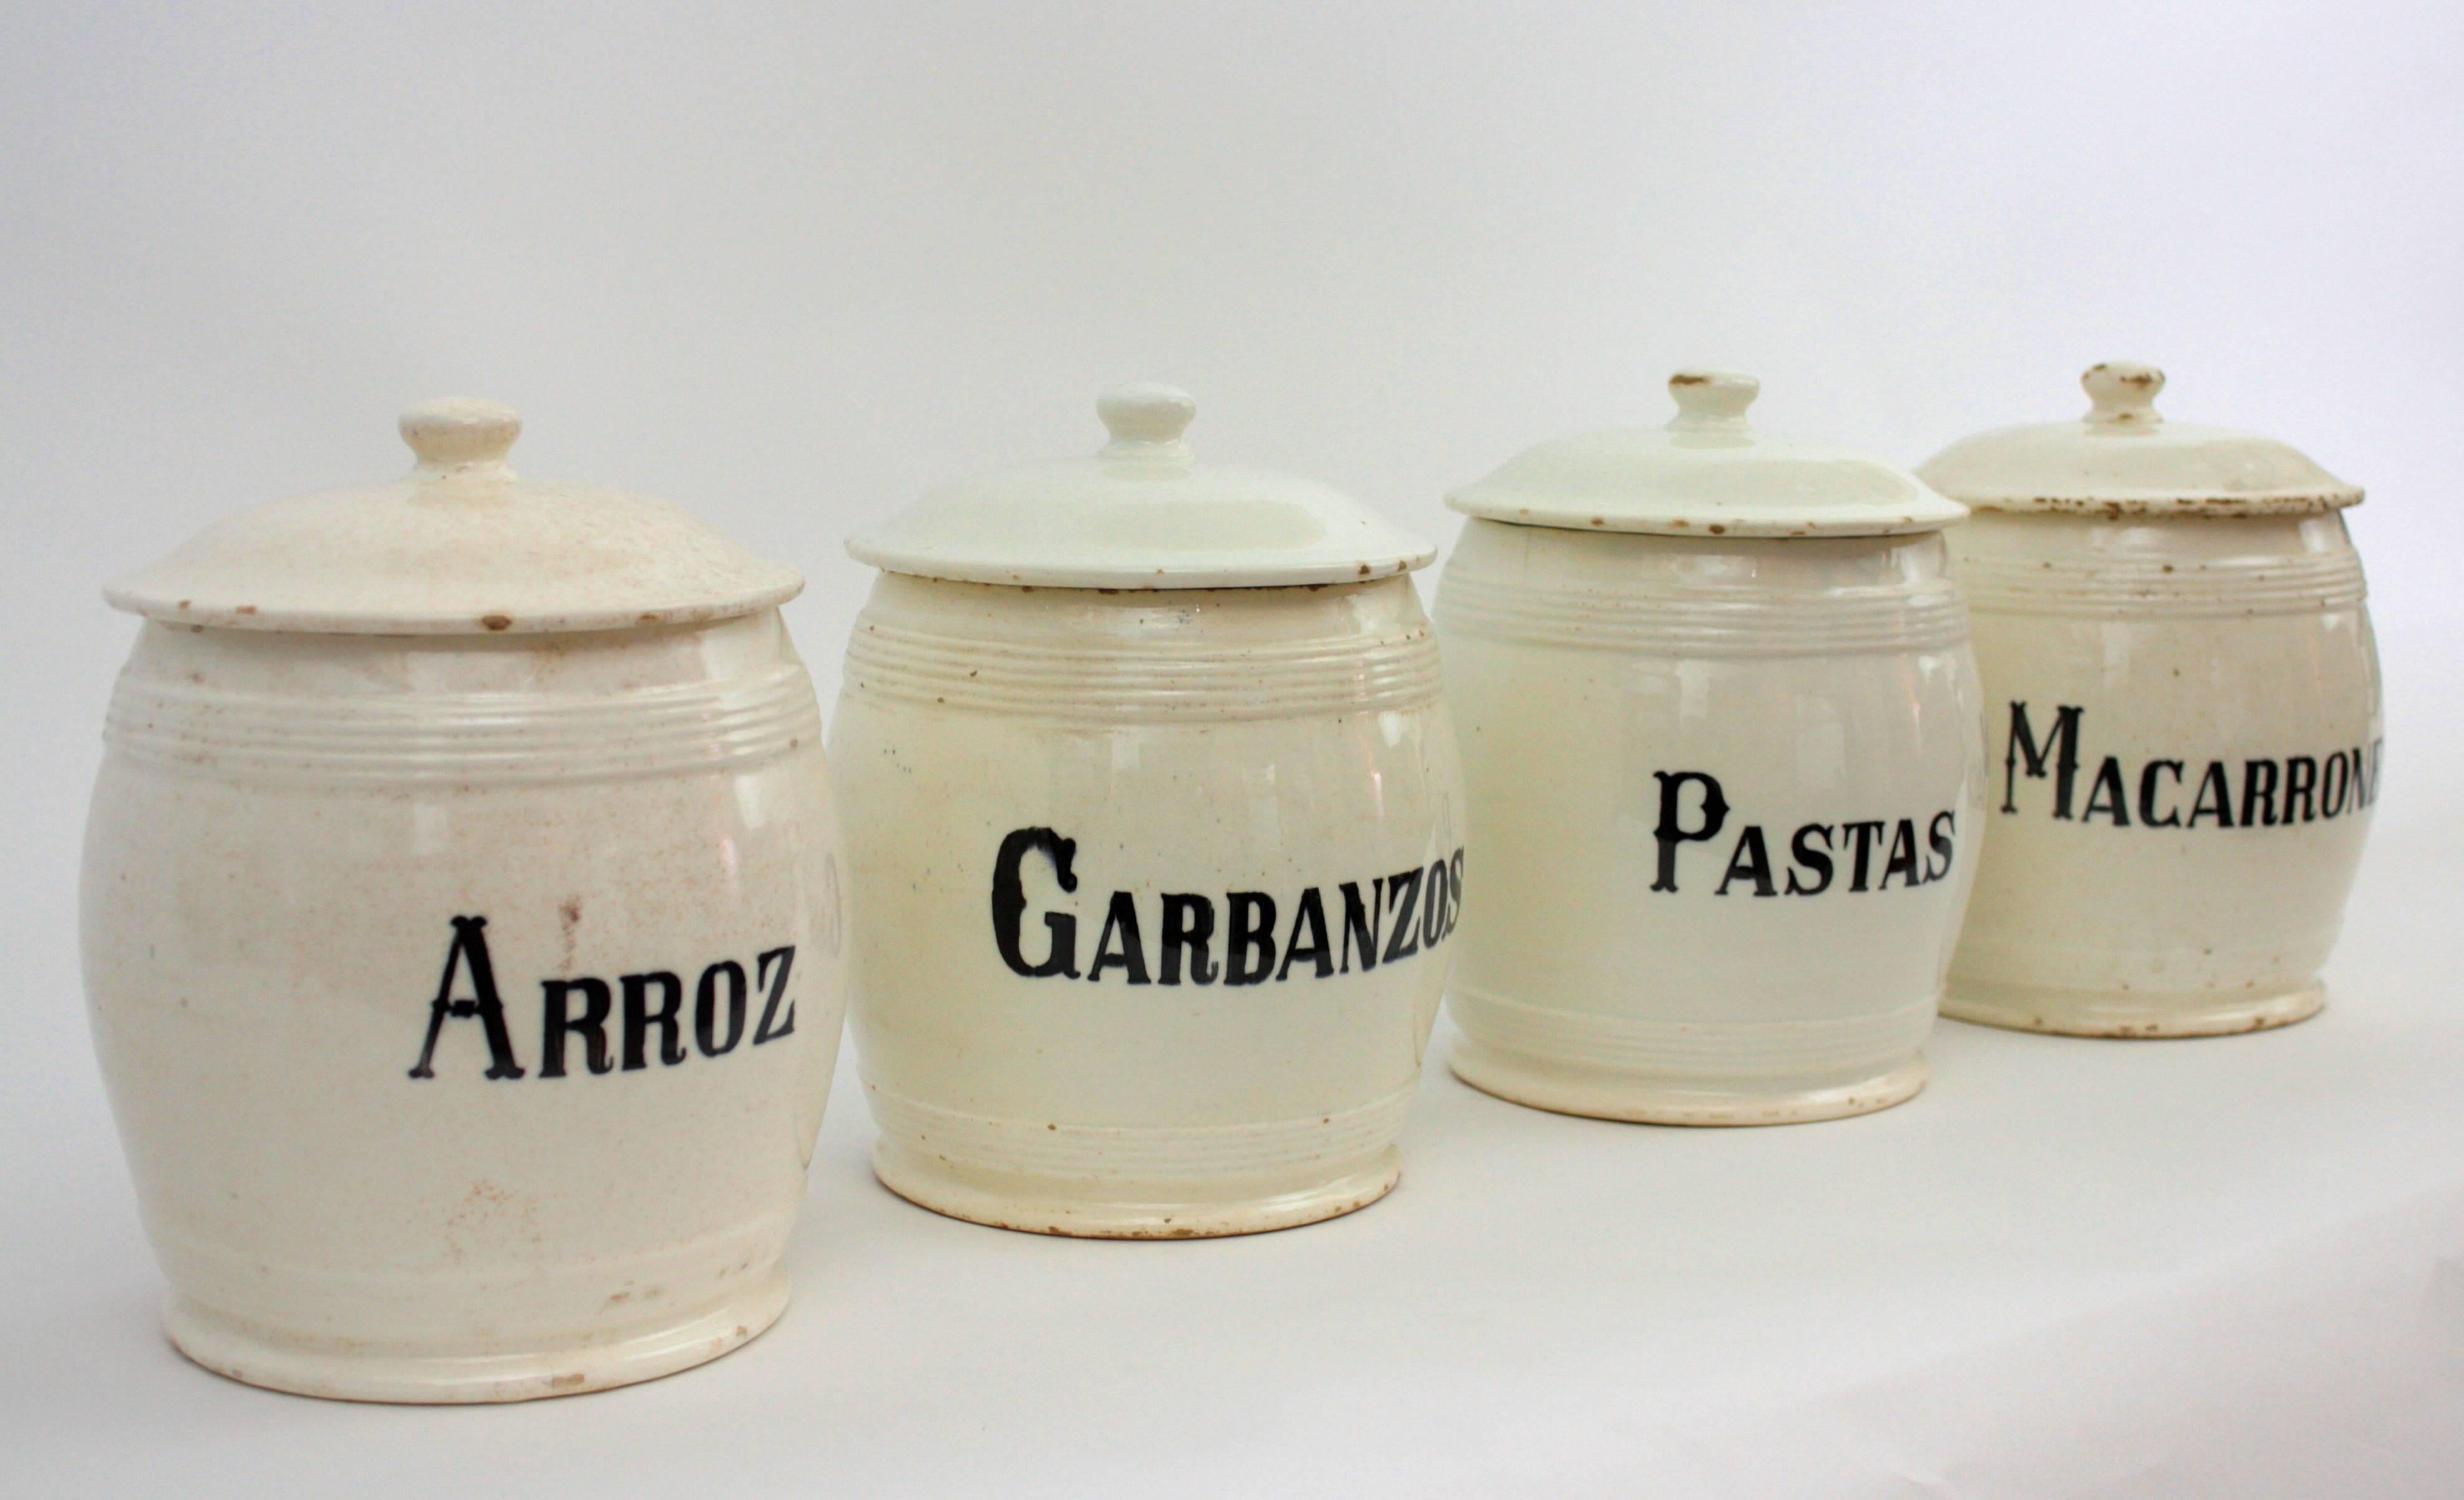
(459, 545)
(1141, 513)
(2122, 458)
(1706, 474)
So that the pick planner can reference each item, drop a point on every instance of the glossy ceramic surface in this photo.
(467, 1002)
(1724, 774)
(2182, 712)
(1154, 893)
(2184, 720)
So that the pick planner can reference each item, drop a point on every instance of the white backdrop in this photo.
(788, 265)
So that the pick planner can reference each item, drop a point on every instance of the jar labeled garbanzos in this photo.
(2182, 716)
(462, 932)
(1719, 721)
(1155, 841)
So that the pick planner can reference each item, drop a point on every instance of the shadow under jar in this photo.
(1155, 843)
(1718, 714)
(2182, 714)
(461, 933)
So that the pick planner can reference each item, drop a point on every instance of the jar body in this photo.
(466, 1005)
(1119, 861)
(1724, 798)
(2184, 721)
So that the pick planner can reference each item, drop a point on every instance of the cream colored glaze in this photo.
(2185, 639)
(1820, 680)
(1197, 742)
(283, 829)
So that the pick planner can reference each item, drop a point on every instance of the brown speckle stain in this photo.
(565, 1382)
(616, 1300)
(246, 609)
(1364, 570)
(496, 622)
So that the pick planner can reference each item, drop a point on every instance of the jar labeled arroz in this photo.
(1719, 720)
(1155, 842)
(2182, 721)
(462, 931)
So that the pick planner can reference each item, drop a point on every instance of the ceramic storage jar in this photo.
(462, 931)
(1719, 723)
(1153, 841)
(2182, 719)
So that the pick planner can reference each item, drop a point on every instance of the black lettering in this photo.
(1671, 830)
(1307, 938)
(1902, 861)
(2301, 779)
(2148, 818)
(774, 1026)
(1363, 921)
(1750, 861)
(1249, 945)
(1866, 833)
(1805, 855)
(1121, 920)
(706, 1007)
(1938, 839)
(469, 949)
(1454, 882)
(2215, 799)
(1188, 926)
(1437, 911)
(2061, 744)
(2107, 795)
(640, 1017)
(1403, 902)
(1009, 903)
(592, 1024)
(2257, 792)
(2335, 784)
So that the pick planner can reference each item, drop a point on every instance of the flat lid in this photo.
(1141, 513)
(1706, 474)
(459, 545)
(2124, 457)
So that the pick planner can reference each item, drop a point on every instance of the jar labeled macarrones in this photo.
(462, 931)
(1155, 837)
(2182, 721)
(1719, 723)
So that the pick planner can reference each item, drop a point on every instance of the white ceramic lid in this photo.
(2124, 458)
(1141, 513)
(459, 545)
(1708, 473)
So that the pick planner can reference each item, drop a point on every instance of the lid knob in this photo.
(1711, 398)
(2119, 391)
(458, 430)
(1144, 417)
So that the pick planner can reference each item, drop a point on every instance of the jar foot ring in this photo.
(1075, 1209)
(1605, 1096)
(2152, 1015)
(333, 1369)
